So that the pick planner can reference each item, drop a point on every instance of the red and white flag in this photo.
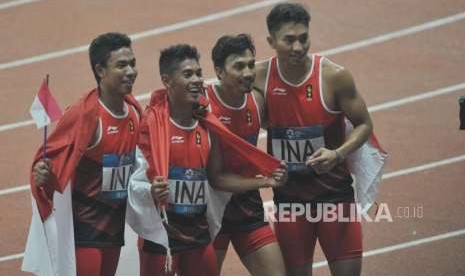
(44, 108)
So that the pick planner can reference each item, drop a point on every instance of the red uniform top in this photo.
(299, 124)
(245, 210)
(101, 180)
(187, 178)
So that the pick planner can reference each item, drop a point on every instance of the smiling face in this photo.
(291, 42)
(185, 84)
(238, 72)
(117, 76)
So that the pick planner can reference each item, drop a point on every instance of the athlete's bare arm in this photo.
(260, 100)
(230, 182)
(340, 94)
(261, 69)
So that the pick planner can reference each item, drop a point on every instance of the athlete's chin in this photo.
(295, 60)
(246, 89)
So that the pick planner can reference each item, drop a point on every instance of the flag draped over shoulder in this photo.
(44, 108)
(52, 209)
(152, 159)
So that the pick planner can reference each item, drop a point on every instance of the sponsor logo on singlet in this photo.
(294, 145)
(279, 91)
(187, 190)
(225, 120)
(112, 130)
(177, 139)
(115, 174)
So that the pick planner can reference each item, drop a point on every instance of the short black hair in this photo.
(284, 13)
(171, 57)
(102, 46)
(228, 45)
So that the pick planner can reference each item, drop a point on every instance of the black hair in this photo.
(228, 45)
(102, 46)
(171, 57)
(284, 13)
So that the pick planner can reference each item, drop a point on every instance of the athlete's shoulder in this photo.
(262, 65)
(336, 76)
(261, 69)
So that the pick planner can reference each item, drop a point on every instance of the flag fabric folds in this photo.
(50, 248)
(142, 214)
(366, 165)
(44, 108)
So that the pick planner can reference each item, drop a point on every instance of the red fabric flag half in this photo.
(44, 108)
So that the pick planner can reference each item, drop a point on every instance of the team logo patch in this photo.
(198, 139)
(309, 92)
(131, 126)
(249, 116)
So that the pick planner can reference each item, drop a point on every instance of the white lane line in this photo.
(337, 50)
(405, 100)
(424, 167)
(11, 257)
(374, 108)
(404, 245)
(14, 190)
(419, 97)
(145, 34)
(6, 127)
(419, 168)
(243, 9)
(374, 252)
(12, 4)
(400, 33)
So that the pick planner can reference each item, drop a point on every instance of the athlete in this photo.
(170, 131)
(233, 103)
(93, 147)
(307, 98)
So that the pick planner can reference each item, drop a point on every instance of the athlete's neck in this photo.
(182, 113)
(231, 96)
(114, 102)
(295, 72)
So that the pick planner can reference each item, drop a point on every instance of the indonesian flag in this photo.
(366, 165)
(44, 108)
(152, 158)
(50, 245)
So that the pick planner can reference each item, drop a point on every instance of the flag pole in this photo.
(45, 128)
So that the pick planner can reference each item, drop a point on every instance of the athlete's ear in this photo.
(271, 41)
(165, 79)
(100, 70)
(219, 72)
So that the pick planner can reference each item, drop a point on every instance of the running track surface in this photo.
(417, 132)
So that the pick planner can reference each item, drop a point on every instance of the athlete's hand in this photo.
(160, 190)
(42, 172)
(323, 160)
(277, 178)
